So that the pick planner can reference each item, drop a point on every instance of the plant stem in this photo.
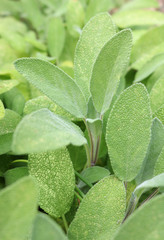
(78, 196)
(20, 160)
(79, 191)
(83, 179)
(65, 222)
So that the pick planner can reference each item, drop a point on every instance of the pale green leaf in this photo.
(149, 67)
(12, 25)
(54, 83)
(2, 110)
(149, 45)
(140, 4)
(108, 68)
(93, 37)
(159, 166)
(154, 77)
(160, 114)
(42, 131)
(6, 85)
(101, 211)
(128, 131)
(55, 36)
(14, 174)
(54, 175)
(138, 17)
(5, 143)
(18, 206)
(155, 146)
(157, 95)
(74, 18)
(44, 228)
(146, 223)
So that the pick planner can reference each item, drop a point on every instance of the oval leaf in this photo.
(129, 131)
(108, 68)
(102, 210)
(54, 83)
(55, 178)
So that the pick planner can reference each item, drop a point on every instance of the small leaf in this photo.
(101, 211)
(6, 85)
(149, 67)
(45, 228)
(128, 131)
(156, 95)
(159, 166)
(149, 45)
(108, 68)
(54, 83)
(155, 146)
(18, 206)
(55, 37)
(14, 174)
(55, 179)
(94, 35)
(147, 222)
(42, 131)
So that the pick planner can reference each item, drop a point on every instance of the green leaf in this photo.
(138, 17)
(96, 6)
(155, 146)
(42, 131)
(93, 37)
(140, 4)
(149, 67)
(159, 166)
(54, 175)
(149, 45)
(6, 85)
(55, 36)
(45, 228)
(18, 206)
(101, 211)
(154, 77)
(5, 143)
(108, 68)
(160, 114)
(156, 95)
(93, 175)
(2, 110)
(14, 174)
(128, 131)
(54, 83)
(78, 156)
(147, 222)
(75, 18)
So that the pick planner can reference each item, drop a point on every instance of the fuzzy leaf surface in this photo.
(159, 166)
(128, 131)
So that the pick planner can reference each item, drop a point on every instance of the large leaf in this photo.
(146, 223)
(55, 178)
(149, 45)
(18, 205)
(54, 83)
(109, 66)
(42, 131)
(44, 228)
(55, 37)
(137, 17)
(159, 166)
(149, 67)
(100, 212)
(155, 146)
(94, 35)
(129, 131)
(157, 95)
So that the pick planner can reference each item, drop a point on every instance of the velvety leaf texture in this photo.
(54, 83)
(43, 131)
(94, 35)
(101, 210)
(159, 166)
(160, 114)
(108, 68)
(55, 179)
(146, 223)
(128, 131)
(18, 206)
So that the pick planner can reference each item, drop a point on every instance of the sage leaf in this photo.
(108, 68)
(159, 166)
(94, 35)
(54, 175)
(155, 147)
(14, 174)
(45, 228)
(128, 131)
(6, 85)
(54, 83)
(2, 110)
(160, 114)
(149, 67)
(15, 224)
(104, 203)
(139, 4)
(42, 131)
(153, 224)
(55, 36)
